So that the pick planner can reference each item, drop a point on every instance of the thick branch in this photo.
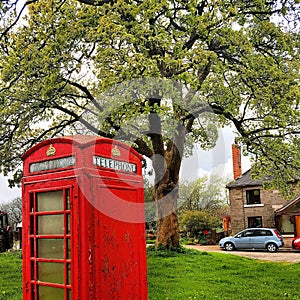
(143, 148)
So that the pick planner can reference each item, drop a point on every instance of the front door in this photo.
(297, 225)
(50, 244)
(245, 239)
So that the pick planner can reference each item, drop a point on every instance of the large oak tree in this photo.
(152, 73)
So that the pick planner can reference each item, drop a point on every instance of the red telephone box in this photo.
(83, 221)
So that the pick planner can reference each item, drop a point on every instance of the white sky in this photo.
(217, 161)
(6, 193)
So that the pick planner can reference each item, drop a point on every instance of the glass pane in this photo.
(51, 248)
(67, 199)
(32, 268)
(31, 224)
(50, 201)
(50, 224)
(50, 293)
(69, 274)
(69, 295)
(69, 249)
(33, 292)
(51, 272)
(31, 202)
(32, 247)
(68, 224)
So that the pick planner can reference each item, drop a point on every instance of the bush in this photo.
(196, 224)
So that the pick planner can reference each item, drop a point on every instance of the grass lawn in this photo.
(191, 275)
(11, 276)
(202, 275)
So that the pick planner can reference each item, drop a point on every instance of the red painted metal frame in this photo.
(65, 236)
(30, 247)
(108, 256)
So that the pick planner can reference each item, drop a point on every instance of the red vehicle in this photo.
(296, 243)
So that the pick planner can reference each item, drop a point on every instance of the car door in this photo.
(244, 239)
(261, 238)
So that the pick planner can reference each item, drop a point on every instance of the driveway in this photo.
(282, 255)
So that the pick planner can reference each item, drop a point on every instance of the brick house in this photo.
(288, 218)
(252, 206)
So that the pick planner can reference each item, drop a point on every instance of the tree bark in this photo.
(166, 161)
(166, 195)
(166, 205)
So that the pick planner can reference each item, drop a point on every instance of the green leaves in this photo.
(67, 60)
(194, 222)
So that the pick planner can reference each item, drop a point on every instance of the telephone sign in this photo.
(114, 164)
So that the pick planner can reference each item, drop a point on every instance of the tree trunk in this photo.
(166, 162)
(166, 195)
(168, 229)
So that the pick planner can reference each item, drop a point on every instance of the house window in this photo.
(253, 196)
(254, 222)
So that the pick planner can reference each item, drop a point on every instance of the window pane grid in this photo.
(253, 196)
(50, 243)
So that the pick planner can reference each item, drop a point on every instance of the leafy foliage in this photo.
(204, 203)
(205, 193)
(153, 73)
(63, 56)
(150, 210)
(195, 222)
(14, 210)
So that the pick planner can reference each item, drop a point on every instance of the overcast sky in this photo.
(7, 193)
(217, 161)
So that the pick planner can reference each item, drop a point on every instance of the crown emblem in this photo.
(115, 151)
(51, 150)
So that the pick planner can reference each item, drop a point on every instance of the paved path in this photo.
(282, 255)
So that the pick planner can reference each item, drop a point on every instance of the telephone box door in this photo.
(49, 239)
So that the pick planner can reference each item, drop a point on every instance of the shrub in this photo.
(197, 224)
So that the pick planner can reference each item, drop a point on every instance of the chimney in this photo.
(236, 161)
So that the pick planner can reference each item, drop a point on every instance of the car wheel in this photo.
(228, 246)
(271, 247)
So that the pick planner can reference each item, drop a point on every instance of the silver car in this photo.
(253, 238)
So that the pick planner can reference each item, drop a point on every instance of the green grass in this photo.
(191, 275)
(11, 276)
(202, 275)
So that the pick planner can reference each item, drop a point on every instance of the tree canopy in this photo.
(104, 65)
(204, 193)
(14, 210)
